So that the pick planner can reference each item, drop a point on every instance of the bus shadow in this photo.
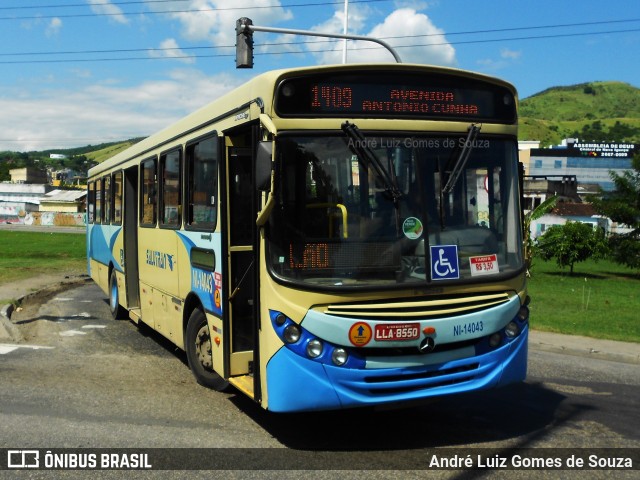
(521, 412)
(515, 412)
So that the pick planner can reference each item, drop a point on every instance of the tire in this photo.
(117, 311)
(198, 349)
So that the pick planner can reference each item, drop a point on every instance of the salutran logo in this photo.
(160, 259)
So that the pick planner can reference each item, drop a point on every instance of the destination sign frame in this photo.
(416, 95)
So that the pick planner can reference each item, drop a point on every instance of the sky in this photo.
(85, 72)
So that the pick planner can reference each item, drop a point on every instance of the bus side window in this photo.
(91, 200)
(106, 182)
(148, 210)
(202, 183)
(117, 197)
(98, 198)
(170, 167)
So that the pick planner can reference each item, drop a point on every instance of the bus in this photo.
(326, 237)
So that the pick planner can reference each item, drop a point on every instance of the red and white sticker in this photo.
(484, 265)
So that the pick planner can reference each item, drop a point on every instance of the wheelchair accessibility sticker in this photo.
(444, 262)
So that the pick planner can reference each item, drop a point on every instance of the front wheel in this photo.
(198, 348)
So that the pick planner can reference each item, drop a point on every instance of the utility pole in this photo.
(344, 30)
(244, 40)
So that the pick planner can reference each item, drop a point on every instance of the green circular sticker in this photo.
(412, 228)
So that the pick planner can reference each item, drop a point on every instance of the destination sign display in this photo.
(373, 94)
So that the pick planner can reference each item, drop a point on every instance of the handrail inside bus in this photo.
(343, 211)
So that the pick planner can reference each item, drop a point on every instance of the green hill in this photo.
(109, 151)
(596, 111)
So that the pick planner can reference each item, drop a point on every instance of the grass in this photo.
(28, 254)
(600, 300)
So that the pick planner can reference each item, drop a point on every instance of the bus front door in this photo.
(241, 307)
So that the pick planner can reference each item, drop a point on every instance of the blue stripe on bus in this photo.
(203, 282)
(102, 239)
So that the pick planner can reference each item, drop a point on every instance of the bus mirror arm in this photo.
(264, 214)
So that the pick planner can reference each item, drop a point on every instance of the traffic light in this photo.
(244, 43)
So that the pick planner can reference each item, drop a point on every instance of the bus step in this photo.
(244, 383)
(135, 314)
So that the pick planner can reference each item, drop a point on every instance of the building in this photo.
(28, 175)
(538, 188)
(18, 199)
(22, 200)
(589, 163)
(64, 201)
(569, 212)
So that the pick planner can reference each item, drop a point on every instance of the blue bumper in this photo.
(299, 384)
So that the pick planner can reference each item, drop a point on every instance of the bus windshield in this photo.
(384, 218)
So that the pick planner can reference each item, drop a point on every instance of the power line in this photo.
(70, 5)
(471, 32)
(182, 57)
(159, 12)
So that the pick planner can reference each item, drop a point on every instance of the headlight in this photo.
(339, 356)
(280, 319)
(512, 330)
(495, 339)
(523, 313)
(314, 348)
(291, 333)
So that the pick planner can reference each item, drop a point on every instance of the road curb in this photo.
(7, 310)
(616, 351)
(8, 330)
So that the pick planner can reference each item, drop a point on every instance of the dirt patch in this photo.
(36, 290)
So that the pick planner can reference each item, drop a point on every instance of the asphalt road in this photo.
(82, 380)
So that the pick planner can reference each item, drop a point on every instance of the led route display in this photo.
(426, 96)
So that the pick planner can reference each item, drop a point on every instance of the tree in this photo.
(623, 206)
(571, 243)
(542, 209)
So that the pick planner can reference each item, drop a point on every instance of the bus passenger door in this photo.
(241, 305)
(131, 237)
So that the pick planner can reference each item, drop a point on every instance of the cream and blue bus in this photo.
(327, 237)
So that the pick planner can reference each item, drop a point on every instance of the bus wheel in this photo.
(117, 311)
(198, 347)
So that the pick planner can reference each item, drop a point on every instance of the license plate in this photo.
(397, 331)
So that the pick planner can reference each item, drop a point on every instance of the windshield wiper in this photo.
(358, 145)
(461, 161)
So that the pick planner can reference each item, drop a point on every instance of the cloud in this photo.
(510, 54)
(214, 21)
(169, 49)
(65, 118)
(53, 27)
(507, 58)
(418, 30)
(105, 7)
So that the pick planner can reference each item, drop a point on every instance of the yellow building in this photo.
(64, 201)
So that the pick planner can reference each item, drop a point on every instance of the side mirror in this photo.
(264, 166)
